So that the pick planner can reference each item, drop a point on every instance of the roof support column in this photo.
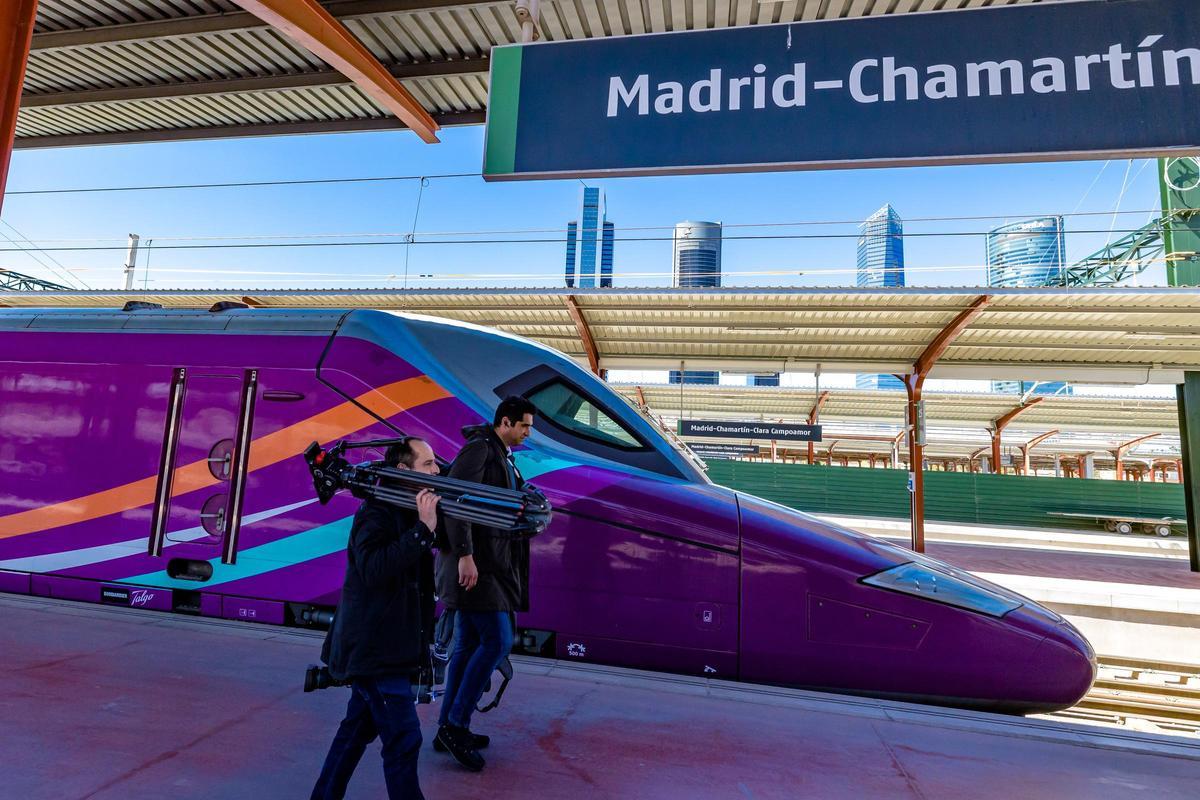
(1188, 396)
(813, 416)
(1122, 449)
(998, 426)
(914, 382)
(16, 33)
(1028, 446)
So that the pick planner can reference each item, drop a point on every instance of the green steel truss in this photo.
(16, 282)
(1123, 258)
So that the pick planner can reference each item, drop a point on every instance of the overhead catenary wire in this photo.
(563, 230)
(492, 241)
(56, 268)
(241, 184)
(293, 277)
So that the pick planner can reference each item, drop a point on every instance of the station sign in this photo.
(722, 450)
(1046, 81)
(724, 429)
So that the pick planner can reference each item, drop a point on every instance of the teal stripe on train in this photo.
(314, 543)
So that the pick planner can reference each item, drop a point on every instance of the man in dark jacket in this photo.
(381, 633)
(483, 575)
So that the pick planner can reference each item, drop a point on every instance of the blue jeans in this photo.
(481, 641)
(382, 707)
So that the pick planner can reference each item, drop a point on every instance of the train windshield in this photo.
(561, 406)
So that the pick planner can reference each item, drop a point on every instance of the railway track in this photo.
(1143, 695)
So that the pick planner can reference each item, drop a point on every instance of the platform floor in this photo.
(120, 703)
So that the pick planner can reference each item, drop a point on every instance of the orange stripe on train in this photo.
(334, 423)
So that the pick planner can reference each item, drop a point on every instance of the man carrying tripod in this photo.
(381, 632)
(484, 576)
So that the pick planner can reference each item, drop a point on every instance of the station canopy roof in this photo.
(1131, 415)
(1091, 335)
(104, 71)
(869, 421)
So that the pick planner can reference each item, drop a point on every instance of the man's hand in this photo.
(468, 574)
(427, 503)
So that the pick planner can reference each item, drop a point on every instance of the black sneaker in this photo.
(458, 745)
(478, 741)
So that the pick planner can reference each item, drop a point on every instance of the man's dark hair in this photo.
(513, 409)
(401, 452)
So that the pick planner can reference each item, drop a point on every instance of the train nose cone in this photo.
(1063, 667)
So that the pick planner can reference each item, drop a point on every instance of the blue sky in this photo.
(953, 257)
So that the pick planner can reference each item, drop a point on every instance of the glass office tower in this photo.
(1031, 252)
(880, 264)
(590, 241)
(1027, 253)
(696, 264)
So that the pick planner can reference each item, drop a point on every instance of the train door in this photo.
(202, 473)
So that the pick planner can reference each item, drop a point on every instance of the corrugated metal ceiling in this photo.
(141, 70)
(1088, 335)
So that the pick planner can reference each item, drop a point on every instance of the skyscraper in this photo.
(696, 264)
(881, 249)
(696, 254)
(881, 264)
(1030, 252)
(1027, 253)
(590, 238)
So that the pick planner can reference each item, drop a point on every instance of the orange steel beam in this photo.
(914, 383)
(16, 32)
(585, 333)
(1122, 449)
(1028, 446)
(315, 29)
(641, 396)
(948, 334)
(1001, 422)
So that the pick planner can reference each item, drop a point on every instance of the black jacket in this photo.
(384, 622)
(503, 561)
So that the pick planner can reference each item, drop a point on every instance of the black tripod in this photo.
(518, 512)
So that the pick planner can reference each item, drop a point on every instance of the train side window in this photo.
(561, 406)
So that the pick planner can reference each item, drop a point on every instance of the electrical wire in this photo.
(519, 231)
(557, 241)
(56, 269)
(552, 276)
(241, 184)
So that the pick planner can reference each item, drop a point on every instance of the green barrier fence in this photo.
(1005, 500)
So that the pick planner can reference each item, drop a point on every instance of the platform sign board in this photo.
(1046, 81)
(722, 450)
(726, 429)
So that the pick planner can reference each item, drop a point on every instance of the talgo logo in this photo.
(140, 597)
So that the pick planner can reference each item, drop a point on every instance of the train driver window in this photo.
(563, 407)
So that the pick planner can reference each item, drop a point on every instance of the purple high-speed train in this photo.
(152, 458)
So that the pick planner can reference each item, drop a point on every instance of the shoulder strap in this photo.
(505, 668)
